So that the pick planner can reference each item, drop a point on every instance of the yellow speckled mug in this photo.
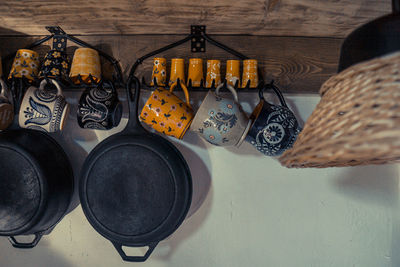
(159, 71)
(250, 73)
(177, 71)
(26, 64)
(166, 113)
(195, 71)
(213, 72)
(232, 72)
(86, 62)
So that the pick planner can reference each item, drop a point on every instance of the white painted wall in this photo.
(247, 211)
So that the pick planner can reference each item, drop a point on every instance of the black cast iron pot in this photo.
(36, 184)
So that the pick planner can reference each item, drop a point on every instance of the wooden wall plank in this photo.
(298, 64)
(328, 18)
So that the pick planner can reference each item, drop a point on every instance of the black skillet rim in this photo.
(162, 231)
(34, 220)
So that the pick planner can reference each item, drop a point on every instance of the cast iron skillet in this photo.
(36, 184)
(135, 186)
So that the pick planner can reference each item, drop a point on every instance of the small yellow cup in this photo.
(232, 72)
(159, 71)
(177, 70)
(213, 72)
(86, 61)
(250, 73)
(26, 64)
(195, 71)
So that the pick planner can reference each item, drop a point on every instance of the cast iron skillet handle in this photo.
(32, 244)
(125, 257)
(276, 90)
(133, 125)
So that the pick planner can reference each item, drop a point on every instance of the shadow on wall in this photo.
(12, 257)
(200, 165)
(395, 255)
(371, 184)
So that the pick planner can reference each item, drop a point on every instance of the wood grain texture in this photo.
(298, 64)
(333, 18)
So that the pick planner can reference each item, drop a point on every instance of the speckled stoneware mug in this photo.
(221, 121)
(42, 109)
(274, 128)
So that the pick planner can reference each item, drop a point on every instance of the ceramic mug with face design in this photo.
(43, 109)
(220, 120)
(6, 108)
(99, 108)
(275, 128)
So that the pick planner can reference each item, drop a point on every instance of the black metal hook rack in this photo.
(198, 38)
(58, 32)
(19, 85)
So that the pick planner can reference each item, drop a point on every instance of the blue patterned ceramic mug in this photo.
(43, 109)
(221, 121)
(274, 127)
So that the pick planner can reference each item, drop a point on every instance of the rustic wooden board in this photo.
(298, 64)
(332, 18)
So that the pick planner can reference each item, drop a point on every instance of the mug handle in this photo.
(44, 82)
(3, 88)
(109, 83)
(276, 91)
(184, 89)
(230, 88)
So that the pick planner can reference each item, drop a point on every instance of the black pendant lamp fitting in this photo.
(376, 38)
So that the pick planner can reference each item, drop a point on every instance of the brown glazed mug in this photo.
(220, 120)
(6, 108)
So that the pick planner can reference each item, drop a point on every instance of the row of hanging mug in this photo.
(221, 121)
(85, 66)
(213, 74)
(42, 108)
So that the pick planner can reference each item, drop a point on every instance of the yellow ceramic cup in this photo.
(26, 64)
(177, 70)
(159, 71)
(166, 113)
(213, 72)
(195, 71)
(86, 61)
(232, 72)
(250, 73)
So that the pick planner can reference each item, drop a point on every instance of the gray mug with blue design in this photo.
(220, 120)
(44, 109)
(274, 128)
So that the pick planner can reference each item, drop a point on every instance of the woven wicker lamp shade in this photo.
(357, 121)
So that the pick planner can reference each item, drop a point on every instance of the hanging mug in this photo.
(166, 113)
(43, 109)
(275, 128)
(6, 108)
(99, 108)
(220, 120)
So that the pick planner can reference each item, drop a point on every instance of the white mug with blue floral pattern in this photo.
(220, 120)
(43, 109)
